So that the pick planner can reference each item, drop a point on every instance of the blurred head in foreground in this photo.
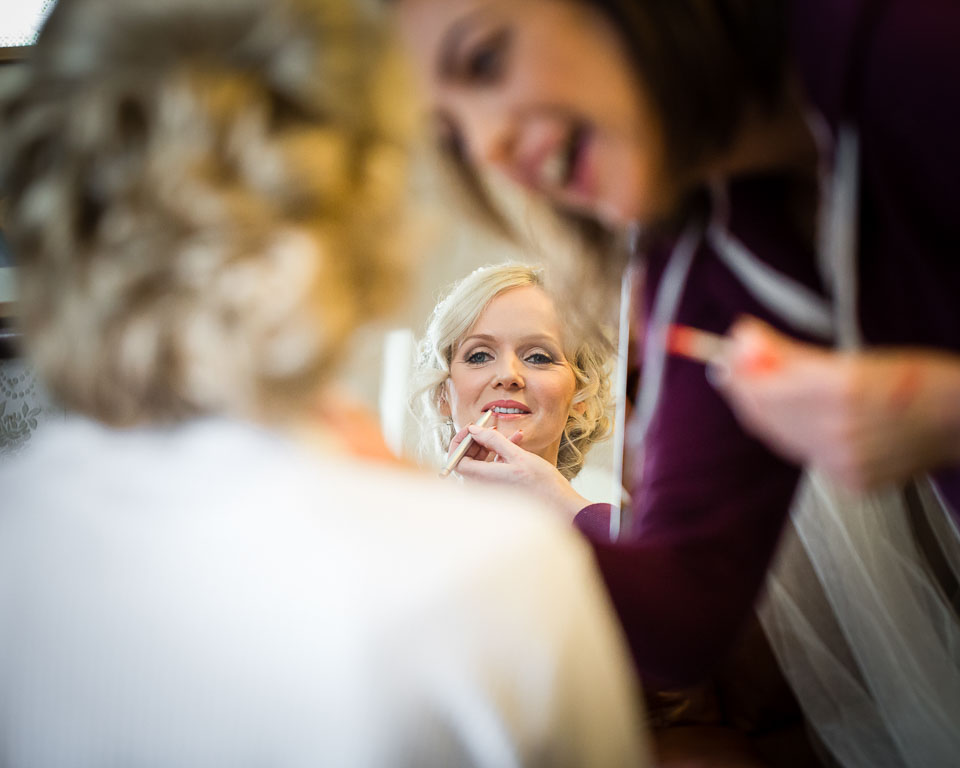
(497, 340)
(204, 200)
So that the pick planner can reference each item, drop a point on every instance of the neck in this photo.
(551, 453)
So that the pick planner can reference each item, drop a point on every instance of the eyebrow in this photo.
(536, 338)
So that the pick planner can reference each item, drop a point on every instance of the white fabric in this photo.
(867, 639)
(213, 595)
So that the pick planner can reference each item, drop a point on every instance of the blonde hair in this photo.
(205, 199)
(453, 317)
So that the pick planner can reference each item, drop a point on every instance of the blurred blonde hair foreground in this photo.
(204, 199)
(589, 356)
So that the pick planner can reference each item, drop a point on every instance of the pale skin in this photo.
(518, 83)
(512, 359)
(867, 420)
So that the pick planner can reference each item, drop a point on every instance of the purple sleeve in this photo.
(711, 502)
(594, 521)
(707, 517)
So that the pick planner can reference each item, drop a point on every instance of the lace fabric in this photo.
(863, 628)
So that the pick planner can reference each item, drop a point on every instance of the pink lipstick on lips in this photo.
(507, 410)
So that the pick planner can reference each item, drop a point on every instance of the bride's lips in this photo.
(511, 406)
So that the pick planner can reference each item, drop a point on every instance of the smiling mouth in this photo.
(506, 408)
(560, 170)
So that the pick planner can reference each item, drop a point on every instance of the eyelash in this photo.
(484, 63)
(471, 359)
(547, 360)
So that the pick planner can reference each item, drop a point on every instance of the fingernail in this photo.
(718, 374)
(762, 361)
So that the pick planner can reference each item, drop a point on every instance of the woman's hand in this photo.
(496, 458)
(866, 419)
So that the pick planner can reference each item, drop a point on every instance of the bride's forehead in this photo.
(518, 315)
(524, 306)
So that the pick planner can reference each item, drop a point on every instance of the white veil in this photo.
(862, 628)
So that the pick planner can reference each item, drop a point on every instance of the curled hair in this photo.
(456, 314)
(205, 199)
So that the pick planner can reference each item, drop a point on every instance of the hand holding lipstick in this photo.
(474, 450)
(462, 444)
(494, 457)
(866, 419)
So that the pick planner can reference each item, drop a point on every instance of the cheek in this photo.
(636, 192)
(559, 392)
(462, 389)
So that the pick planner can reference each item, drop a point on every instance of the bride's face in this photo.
(511, 361)
(542, 91)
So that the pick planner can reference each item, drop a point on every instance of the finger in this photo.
(493, 440)
(457, 439)
(474, 450)
(477, 452)
(486, 471)
(755, 348)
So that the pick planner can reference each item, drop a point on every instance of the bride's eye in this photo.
(478, 358)
(539, 358)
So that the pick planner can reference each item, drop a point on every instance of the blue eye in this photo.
(478, 358)
(539, 358)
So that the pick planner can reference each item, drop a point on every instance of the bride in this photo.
(496, 342)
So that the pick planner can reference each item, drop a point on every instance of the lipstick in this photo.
(702, 346)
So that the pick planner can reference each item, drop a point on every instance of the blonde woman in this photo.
(496, 342)
(205, 202)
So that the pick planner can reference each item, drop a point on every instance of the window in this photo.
(20, 21)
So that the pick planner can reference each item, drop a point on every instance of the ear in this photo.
(443, 401)
(579, 408)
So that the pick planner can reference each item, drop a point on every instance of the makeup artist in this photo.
(792, 161)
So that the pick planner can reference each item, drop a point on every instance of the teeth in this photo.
(498, 409)
(552, 171)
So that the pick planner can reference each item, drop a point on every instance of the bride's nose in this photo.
(509, 375)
